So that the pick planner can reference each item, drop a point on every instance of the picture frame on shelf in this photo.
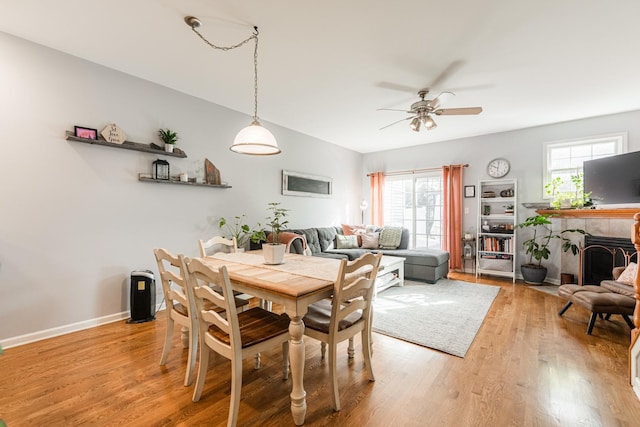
(86, 133)
(469, 191)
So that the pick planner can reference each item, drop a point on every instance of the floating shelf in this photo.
(127, 145)
(171, 181)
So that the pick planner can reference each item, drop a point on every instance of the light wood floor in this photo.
(526, 367)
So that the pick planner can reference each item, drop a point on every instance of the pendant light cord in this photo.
(254, 36)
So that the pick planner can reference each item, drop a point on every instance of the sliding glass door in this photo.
(415, 202)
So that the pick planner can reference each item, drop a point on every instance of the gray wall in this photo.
(75, 219)
(523, 148)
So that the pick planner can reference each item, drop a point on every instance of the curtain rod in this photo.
(413, 171)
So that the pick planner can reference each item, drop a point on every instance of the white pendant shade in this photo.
(255, 140)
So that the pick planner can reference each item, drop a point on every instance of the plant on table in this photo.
(537, 247)
(277, 221)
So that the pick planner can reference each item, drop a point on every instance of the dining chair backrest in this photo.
(205, 284)
(217, 244)
(353, 289)
(172, 279)
(178, 307)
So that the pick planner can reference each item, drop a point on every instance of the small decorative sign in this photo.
(112, 133)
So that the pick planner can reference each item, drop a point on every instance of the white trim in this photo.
(66, 329)
(621, 147)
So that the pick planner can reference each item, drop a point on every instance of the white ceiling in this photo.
(326, 66)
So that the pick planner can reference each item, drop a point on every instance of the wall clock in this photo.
(497, 168)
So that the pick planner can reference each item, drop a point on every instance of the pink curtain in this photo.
(377, 189)
(452, 214)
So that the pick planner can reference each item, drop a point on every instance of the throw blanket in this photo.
(287, 238)
(390, 237)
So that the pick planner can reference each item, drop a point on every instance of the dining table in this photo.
(299, 281)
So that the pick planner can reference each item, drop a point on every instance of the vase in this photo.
(168, 148)
(273, 253)
(533, 274)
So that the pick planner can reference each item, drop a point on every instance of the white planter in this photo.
(168, 148)
(273, 254)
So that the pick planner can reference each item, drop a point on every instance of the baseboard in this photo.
(65, 329)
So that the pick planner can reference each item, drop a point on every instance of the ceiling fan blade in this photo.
(446, 73)
(396, 86)
(458, 111)
(440, 99)
(398, 121)
(393, 109)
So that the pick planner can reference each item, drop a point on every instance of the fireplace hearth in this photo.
(600, 254)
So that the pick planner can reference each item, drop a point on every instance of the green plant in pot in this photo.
(537, 247)
(169, 138)
(237, 228)
(274, 251)
(574, 199)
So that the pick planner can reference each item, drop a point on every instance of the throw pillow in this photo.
(346, 242)
(628, 276)
(390, 237)
(370, 240)
(349, 230)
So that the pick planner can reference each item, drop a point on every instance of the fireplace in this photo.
(601, 254)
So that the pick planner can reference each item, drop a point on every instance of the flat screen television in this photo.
(614, 181)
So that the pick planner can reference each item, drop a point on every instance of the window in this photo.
(562, 159)
(415, 202)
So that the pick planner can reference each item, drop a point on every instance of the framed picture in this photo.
(86, 133)
(469, 191)
(303, 184)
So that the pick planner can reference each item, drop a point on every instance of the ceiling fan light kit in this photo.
(254, 139)
(421, 111)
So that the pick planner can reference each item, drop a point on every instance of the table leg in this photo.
(296, 359)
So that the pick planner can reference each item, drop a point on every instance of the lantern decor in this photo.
(161, 169)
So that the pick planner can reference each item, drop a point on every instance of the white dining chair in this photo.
(177, 309)
(346, 314)
(235, 336)
(215, 244)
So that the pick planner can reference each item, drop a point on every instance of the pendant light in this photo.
(253, 139)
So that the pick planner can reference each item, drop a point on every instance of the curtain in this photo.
(377, 190)
(452, 214)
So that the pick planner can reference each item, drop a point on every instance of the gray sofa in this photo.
(424, 264)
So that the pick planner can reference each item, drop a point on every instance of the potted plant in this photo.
(537, 247)
(238, 229)
(574, 199)
(274, 251)
(169, 138)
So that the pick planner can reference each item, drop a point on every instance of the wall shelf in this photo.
(141, 177)
(127, 145)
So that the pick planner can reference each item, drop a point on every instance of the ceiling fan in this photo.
(421, 111)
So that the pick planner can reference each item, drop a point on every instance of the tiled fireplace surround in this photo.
(613, 223)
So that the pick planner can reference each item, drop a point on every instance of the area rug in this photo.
(444, 316)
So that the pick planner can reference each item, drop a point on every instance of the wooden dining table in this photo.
(299, 281)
